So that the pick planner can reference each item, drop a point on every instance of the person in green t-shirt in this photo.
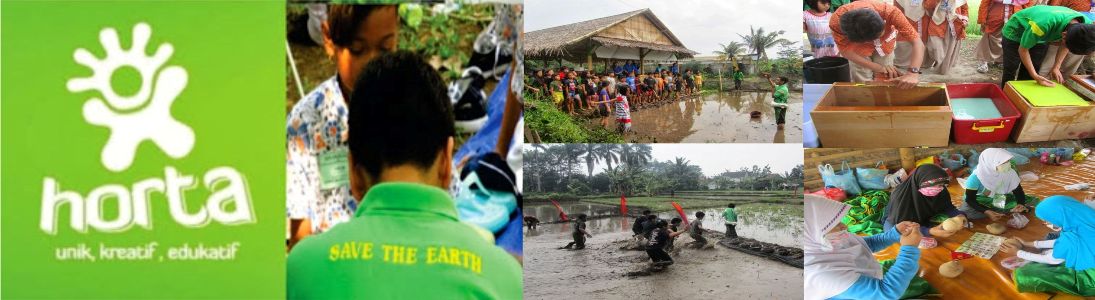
(731, 218)
(404, 240)
(1027, 34)
(738, 77)
(779, 95)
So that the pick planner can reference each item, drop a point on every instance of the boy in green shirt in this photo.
(404, 240)
(731, 218)
(1027, 34)
(738, 76)
(779, 95)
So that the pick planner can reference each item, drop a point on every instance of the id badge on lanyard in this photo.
(1091, 8)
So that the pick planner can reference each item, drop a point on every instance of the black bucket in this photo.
(827, 70)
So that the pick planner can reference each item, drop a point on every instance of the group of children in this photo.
(892, 42)
(574, 90)
(841, 265)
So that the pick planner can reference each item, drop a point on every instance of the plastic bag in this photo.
(872, 178)
(1022, 155)
(1018, 221)
(918, 286)
(845, 179)
(928, 160)
(831, 193)
(896, 178)
(972, 161)
(953, 161)
(1028, 176)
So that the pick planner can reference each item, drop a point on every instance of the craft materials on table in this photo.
(981, 245)
(974, 109)
(1078, 187)
(1043, 96)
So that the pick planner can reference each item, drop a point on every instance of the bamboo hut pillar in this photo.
(642, 58)
(908, 160)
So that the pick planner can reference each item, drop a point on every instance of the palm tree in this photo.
(592, 156)
(730, 49)
(610, 153)
(759, 41)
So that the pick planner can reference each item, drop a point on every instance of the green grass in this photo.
(973, 29)
(555, 126)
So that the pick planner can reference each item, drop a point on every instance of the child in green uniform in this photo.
(405, 240)
(738, 77)
(1027, 34)
(779, 95)
(731, 218)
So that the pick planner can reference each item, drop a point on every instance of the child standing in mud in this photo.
(738, 77)
(697, 231)
(779, 98)
(622, 108)
(580, 234)
(659, 240)
(731, 218)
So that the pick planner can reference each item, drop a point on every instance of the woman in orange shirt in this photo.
(946, 28)
(867, 33)
(991, 16)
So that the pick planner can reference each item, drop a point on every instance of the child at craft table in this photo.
(866, 34)
(1027, 34)
(1065, 263)
(994, 178)
(841, 265)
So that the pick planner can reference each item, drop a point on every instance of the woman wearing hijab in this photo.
(841, 265)
(994, 190)
(920, 198)
(1066, 264)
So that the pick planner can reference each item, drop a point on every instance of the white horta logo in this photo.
(145, 115)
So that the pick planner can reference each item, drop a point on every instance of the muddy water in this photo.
(601, 270)
(714, 118)
(773, 223)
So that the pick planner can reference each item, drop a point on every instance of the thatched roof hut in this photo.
(636, 35)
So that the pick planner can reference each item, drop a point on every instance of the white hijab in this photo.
(996, 182)
(830, 271)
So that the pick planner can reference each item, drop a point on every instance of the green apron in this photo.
(918, 287)
(865, 215)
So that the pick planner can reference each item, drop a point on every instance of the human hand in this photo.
(1019, 209)
(904, 226)
(995, 216)
(1057, 75)
(890, 71)
(911, 236)
(1044, 81)
(1008, 248)
(1028, 244)
(906, 81)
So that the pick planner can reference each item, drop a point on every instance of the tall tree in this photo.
(731, 49)
(760, 41)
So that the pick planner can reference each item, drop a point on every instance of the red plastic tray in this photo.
(983, 130)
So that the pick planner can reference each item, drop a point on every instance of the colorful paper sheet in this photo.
(981, 245)
(1042, 96)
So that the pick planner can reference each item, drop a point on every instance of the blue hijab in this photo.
(1077, 221)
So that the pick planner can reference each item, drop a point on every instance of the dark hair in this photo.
(622, 88)
(646, 212)
(861, 25)
(392, 124)
(675, 221)
(784, 79)
(581, 216)
(699, 214)
(813, 4)
(1080, 38)
(661, 224)
(652, 217)
(344, 21)
(731, 205)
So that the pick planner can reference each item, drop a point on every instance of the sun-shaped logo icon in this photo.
(145, 115)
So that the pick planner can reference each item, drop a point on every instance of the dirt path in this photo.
(965, 71)
(602, 269)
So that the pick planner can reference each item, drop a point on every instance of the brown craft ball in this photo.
(951, 269)
(952, 225)
(996, 228)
